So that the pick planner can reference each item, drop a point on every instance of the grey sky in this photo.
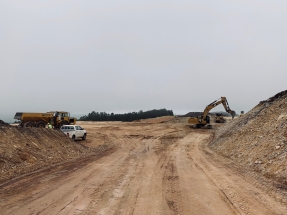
(120, 56)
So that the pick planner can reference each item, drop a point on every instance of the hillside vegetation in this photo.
(126, 117)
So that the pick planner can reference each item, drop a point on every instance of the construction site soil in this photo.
(25, 150)
(257, 142)
(152, 166)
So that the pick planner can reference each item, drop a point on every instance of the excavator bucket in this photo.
(233, 113)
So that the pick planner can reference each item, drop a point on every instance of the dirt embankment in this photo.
(257, 141)
(2, 123)
(23, 150)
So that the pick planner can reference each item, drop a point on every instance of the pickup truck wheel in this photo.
(29, 124)
(74, 138)
(41, 124)
(84, 137)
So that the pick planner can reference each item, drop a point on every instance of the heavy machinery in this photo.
(219, 118)
(204, 120)
(40, 120)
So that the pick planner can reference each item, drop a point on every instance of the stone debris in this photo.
(258, 162)
(258, 137)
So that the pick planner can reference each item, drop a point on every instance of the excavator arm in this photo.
(204, 119)
(222, 101)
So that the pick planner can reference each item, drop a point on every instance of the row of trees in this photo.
(126, 117)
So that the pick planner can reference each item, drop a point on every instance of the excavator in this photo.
(204, 120)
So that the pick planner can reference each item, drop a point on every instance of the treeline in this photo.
(126, 117)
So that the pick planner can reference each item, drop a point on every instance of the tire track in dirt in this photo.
(110, 190)
(235, 200)
(113, 193)
(172, 192)
(240, 198)
(21, 187)
(229, 195)
(150, 183)
(278, 193)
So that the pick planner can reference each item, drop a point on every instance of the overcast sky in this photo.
(121, 56)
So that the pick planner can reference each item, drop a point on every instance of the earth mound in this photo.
(257, 141)
(2, 123)
(24, 150)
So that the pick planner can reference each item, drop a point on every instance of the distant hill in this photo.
(126, 117)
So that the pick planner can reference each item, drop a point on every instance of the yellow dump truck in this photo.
(40, 120)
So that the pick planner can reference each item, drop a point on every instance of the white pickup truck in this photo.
(74, 131)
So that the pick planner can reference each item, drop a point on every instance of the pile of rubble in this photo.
(257, 141)
(24, 150)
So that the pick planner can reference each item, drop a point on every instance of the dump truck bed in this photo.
(22, 115)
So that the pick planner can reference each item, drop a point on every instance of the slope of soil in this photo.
(2, 123)
(257, 141)
(23, 150)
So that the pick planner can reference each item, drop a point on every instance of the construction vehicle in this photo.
(40, 120)
(219, 118)
(204, 120)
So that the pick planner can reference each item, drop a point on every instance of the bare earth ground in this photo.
(153, 168)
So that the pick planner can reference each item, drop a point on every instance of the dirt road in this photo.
(159, 168)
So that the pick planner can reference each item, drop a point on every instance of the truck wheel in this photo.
(29, 124)
(63, 123)
(41, 124)
(73, 137)
(84, 137)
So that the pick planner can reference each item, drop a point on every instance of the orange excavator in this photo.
(204, 120)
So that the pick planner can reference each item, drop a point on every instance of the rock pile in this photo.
(257, 141)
